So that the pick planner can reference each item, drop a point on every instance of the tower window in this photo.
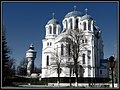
(76, 24)
(83, 56)
(89, 25)
(71, 24)
(54, 29)
(66, 24)
(50, 30)
(84, 25)
(62, 47)
(47, 60)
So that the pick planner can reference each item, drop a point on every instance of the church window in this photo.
(66, 24)
(82, 41)
(50, 30)
(89, 25)
(84, 25)
(47, 43)
(76, 24)
(62, 47)
(54, 29)
(83, 56)
(71, 24)
(85, 40)
(47, 60)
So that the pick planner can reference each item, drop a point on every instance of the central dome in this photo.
(73, 13)
(53, 21)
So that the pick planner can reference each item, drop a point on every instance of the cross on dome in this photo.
(86, 11)
(74, 8)
(53, 14)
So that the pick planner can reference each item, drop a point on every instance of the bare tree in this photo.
(56, 60)
(22, 68)
(76, 38)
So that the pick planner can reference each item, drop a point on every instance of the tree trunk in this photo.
(58, 71)
(76, 73)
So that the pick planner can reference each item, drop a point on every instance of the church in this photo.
(79, 43)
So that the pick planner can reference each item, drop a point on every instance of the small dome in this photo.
(88, 17)
(31, 46)
(73, 13)
(53, 21)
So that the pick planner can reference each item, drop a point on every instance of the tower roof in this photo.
(73, 13)
(53, 21)
(31, 46)
(88, 17)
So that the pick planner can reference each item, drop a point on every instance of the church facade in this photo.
(60, 46)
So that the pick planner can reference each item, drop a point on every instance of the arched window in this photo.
(47, 60)
(71, 24)
(84, 25)
(89, 25)
(54, 29)
(66, 24)
(82, 41)
(50, 29)
(83, 56)
(62, 47)
(86, 40)
(76, 23)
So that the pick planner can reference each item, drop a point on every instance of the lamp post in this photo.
(112, 65)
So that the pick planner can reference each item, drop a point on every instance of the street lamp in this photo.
(112, 65)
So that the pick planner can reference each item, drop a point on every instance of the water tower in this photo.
(30, 55)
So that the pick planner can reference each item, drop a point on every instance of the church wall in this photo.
(92, 48)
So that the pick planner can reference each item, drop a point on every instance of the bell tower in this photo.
(52, 28)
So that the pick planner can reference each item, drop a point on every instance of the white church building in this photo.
(58, 48)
